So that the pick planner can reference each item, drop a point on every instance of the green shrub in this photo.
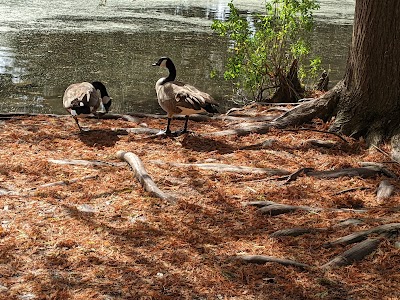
(264, 46)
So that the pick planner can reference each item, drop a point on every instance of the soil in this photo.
(96, 234)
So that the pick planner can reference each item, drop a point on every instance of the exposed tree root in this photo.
(356, 253)
(385, 190)
(64, 182)
(82, 162)
(296, 231)
(225, 168)
(273, 209)
(262, 259)
(362, 235)
(360, 188)
(364, 172)
(143, 177)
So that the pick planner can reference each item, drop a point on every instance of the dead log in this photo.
(356, 253)
(362, 235)
(262, 259)
(142, 176)
(225, 168)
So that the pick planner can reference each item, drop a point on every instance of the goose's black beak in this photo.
(156, 64)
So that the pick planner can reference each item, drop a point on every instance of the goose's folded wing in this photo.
(75, 93)
(190, 97)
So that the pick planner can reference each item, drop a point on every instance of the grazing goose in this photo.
(178, 98)
(85, 98)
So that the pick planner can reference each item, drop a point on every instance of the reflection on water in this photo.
(41, 53)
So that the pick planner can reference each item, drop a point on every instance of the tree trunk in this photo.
(366, 102)
(290, 89)
(369, 103)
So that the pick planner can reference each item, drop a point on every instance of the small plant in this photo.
(263, 47)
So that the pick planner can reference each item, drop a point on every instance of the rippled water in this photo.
(46, 45)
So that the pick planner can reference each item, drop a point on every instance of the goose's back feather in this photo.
(176, 97)
(81, 96)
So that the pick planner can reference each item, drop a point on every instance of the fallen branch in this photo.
(225, 168)
(262, 259)
(142, 176)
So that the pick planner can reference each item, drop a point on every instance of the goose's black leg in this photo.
(168, 130)
(184, 129)
(77, 123)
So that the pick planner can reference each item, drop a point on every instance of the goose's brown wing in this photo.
(81, 94)
(190, 97)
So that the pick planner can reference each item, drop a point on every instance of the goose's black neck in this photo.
(172, 71)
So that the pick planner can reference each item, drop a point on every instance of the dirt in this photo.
(96, 234)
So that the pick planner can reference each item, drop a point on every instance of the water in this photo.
(46, 45)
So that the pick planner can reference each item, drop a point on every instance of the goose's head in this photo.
(163, 62)
(166, 62)
(105, 98)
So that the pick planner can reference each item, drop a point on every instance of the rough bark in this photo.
(262, 259)
(290, 89)
(366, 102)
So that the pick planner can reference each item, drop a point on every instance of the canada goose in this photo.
(179, 98)
(85, 98)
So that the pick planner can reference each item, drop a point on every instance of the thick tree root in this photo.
(273, 209)
(354, 254)
(262, 259)
(82, 162)
(385, 190)
(364, 172)
(143, 177)
(295, 231)
(225, 168)
(362, 235)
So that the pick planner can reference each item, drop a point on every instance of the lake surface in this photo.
(46, 45)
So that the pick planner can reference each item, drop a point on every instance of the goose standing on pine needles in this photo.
(86, 98)
(178, 98)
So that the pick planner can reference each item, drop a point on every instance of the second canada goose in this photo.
(178, 98)
(86, 98)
